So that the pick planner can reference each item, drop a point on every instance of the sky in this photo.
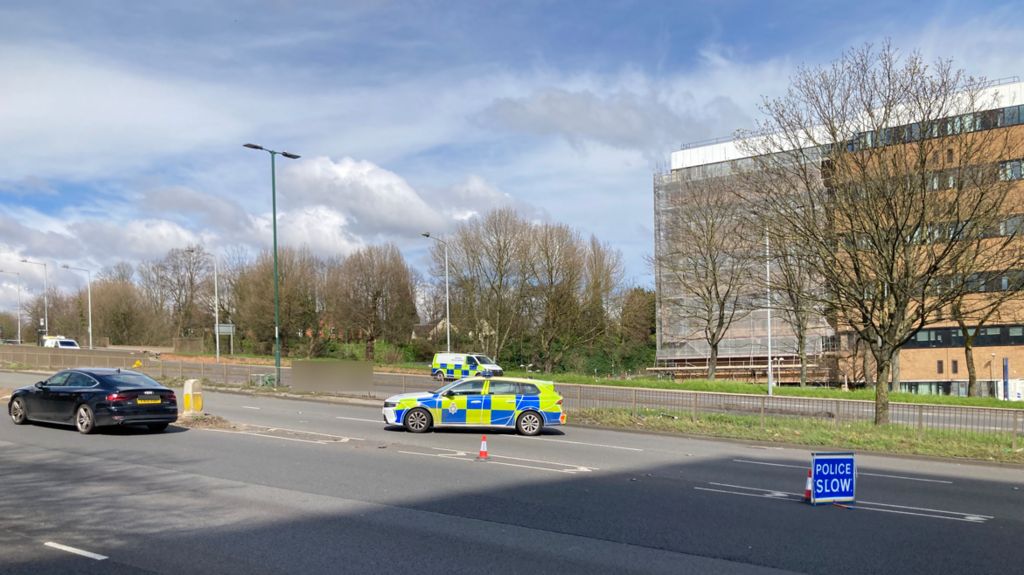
(122, 123)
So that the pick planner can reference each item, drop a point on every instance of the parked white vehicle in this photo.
(60, 342)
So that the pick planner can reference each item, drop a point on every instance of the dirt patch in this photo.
(205, 421)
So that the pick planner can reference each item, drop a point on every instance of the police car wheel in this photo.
(529, 423)
(418, 420)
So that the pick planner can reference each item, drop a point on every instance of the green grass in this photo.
(863, 436)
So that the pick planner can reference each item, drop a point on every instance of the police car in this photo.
(525, 404)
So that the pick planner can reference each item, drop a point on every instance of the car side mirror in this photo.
(40, 384)
(449, 393)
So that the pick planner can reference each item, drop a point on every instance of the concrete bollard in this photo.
(193, 397)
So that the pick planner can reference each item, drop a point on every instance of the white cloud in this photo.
(374, 202)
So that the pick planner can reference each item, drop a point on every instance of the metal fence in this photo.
(633, 400)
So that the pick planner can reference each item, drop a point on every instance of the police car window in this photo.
(471, 361)
(503, 388)
(473, 387)
(484, 359)
(528, 389)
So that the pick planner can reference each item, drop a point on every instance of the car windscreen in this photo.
(68, 344)
(129, 380)
(485, 359)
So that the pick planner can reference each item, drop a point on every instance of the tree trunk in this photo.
(713, 361)
(882, 393)
(867, 370)
(895, 373)
(369, 348)
(801, 349)
(972, 372)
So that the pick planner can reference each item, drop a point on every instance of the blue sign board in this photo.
(833, 477)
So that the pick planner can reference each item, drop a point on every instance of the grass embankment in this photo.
(860, 436)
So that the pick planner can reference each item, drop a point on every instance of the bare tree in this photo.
(706, 256)
(882, 168)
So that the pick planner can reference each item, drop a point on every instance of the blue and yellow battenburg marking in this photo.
(456, 370)
(486, 409)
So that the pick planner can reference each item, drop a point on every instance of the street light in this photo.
(277, 302)
(447, 315)
(46, 296)
(768, 284)
(89, 291)
(216, 303)
(19, 301)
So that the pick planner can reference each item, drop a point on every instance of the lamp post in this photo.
(277, 302)
(768, 284)
(447, 315)
(46, 295)
(19, 301)
(89, 291)
(216, 304)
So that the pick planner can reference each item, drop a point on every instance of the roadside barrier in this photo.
(193, 397)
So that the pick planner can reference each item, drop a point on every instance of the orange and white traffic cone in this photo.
(808, 487)
(483, 449)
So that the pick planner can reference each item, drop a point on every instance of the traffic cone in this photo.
(808, 487)
(483, 449)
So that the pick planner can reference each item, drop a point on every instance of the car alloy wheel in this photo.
(439, 376)
(18, 415)
(84, 420)
(529, 423)
(417, 420)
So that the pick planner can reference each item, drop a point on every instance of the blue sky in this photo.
(122, 122)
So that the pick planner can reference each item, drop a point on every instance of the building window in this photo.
(949, 156)
(938, 367)
(954, 367)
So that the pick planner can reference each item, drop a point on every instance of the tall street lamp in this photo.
(46, 295)
(768, 284)
(277, 301)
(19, 301)
(89, 291)
(447, 315)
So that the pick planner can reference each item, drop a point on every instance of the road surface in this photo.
(323, 488)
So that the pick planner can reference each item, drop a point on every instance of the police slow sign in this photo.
(833, 477)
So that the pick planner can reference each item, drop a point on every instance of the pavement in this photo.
(307, 487)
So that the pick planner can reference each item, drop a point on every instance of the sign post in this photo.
(833, 478)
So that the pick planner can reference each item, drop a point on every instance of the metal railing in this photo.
(952, 418)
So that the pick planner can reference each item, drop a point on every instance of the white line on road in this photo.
(859, 505)
(360, 419)
(578, 467)
(452, 457)
(270, 436)
(579, 443)
(75, 550)
(341, 437)
(805, 467)
(250, 407)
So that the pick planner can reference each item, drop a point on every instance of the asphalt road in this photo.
(323, 488)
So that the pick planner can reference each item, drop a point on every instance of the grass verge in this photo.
(859, 436)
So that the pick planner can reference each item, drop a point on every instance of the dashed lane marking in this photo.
(867, 473)
(251, 407)
(75, 550)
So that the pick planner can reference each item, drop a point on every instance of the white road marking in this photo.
(805, 467)
(580, 443)
(859, 505)
(452, 457)
(75, 550)
(339, 437)
(5, 397)
(579, 467)
(251, 407)
(269, 436)
(361, 419)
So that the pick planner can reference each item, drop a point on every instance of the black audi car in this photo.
(93, 397)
